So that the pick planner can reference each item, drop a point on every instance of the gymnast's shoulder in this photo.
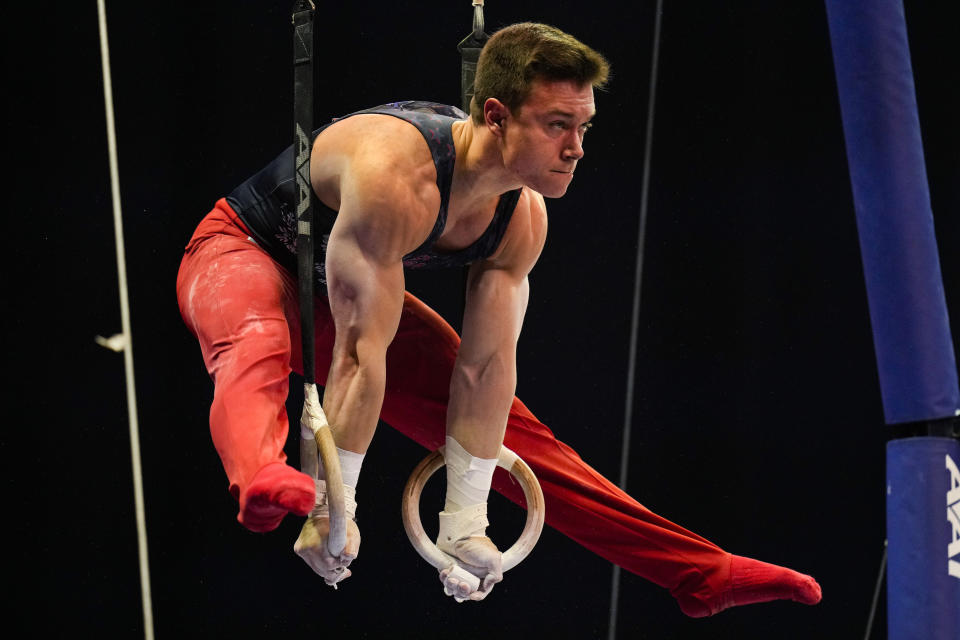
(380, 162)
(525, 235)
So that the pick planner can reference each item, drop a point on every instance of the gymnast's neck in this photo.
(480, 174)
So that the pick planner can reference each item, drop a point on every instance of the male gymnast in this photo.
(417, 185)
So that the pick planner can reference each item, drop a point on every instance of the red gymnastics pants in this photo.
(242, 306)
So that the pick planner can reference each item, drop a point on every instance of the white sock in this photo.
(468, 477)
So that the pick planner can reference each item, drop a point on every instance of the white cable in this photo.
(635, 318)
(125, 320)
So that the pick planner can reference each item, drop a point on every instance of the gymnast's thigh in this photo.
(229, 290)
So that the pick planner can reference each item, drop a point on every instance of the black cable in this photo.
(876, 593)
(635, 318)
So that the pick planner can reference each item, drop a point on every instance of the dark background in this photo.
(757, 420)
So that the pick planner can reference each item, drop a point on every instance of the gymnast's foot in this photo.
(275, 490)
(750, 582)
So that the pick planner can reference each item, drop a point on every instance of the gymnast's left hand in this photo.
(479, 556)
(311, 545)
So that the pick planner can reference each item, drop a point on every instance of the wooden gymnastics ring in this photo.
(437, 558)
(315, 419)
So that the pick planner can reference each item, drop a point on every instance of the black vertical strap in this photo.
(469, 49)
(303, 11)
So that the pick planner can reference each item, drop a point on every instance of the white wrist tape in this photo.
(350, 464)
(468, 477)
(467, 522)
(322, 509)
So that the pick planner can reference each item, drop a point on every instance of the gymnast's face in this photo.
(543, 138)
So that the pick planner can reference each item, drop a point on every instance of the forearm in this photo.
(353, 399)
(480, 398)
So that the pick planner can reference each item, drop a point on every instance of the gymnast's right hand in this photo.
(311, 545)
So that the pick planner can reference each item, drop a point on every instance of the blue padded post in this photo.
(908, 312)
(923, 533)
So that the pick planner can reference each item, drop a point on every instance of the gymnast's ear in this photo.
(494, 115)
